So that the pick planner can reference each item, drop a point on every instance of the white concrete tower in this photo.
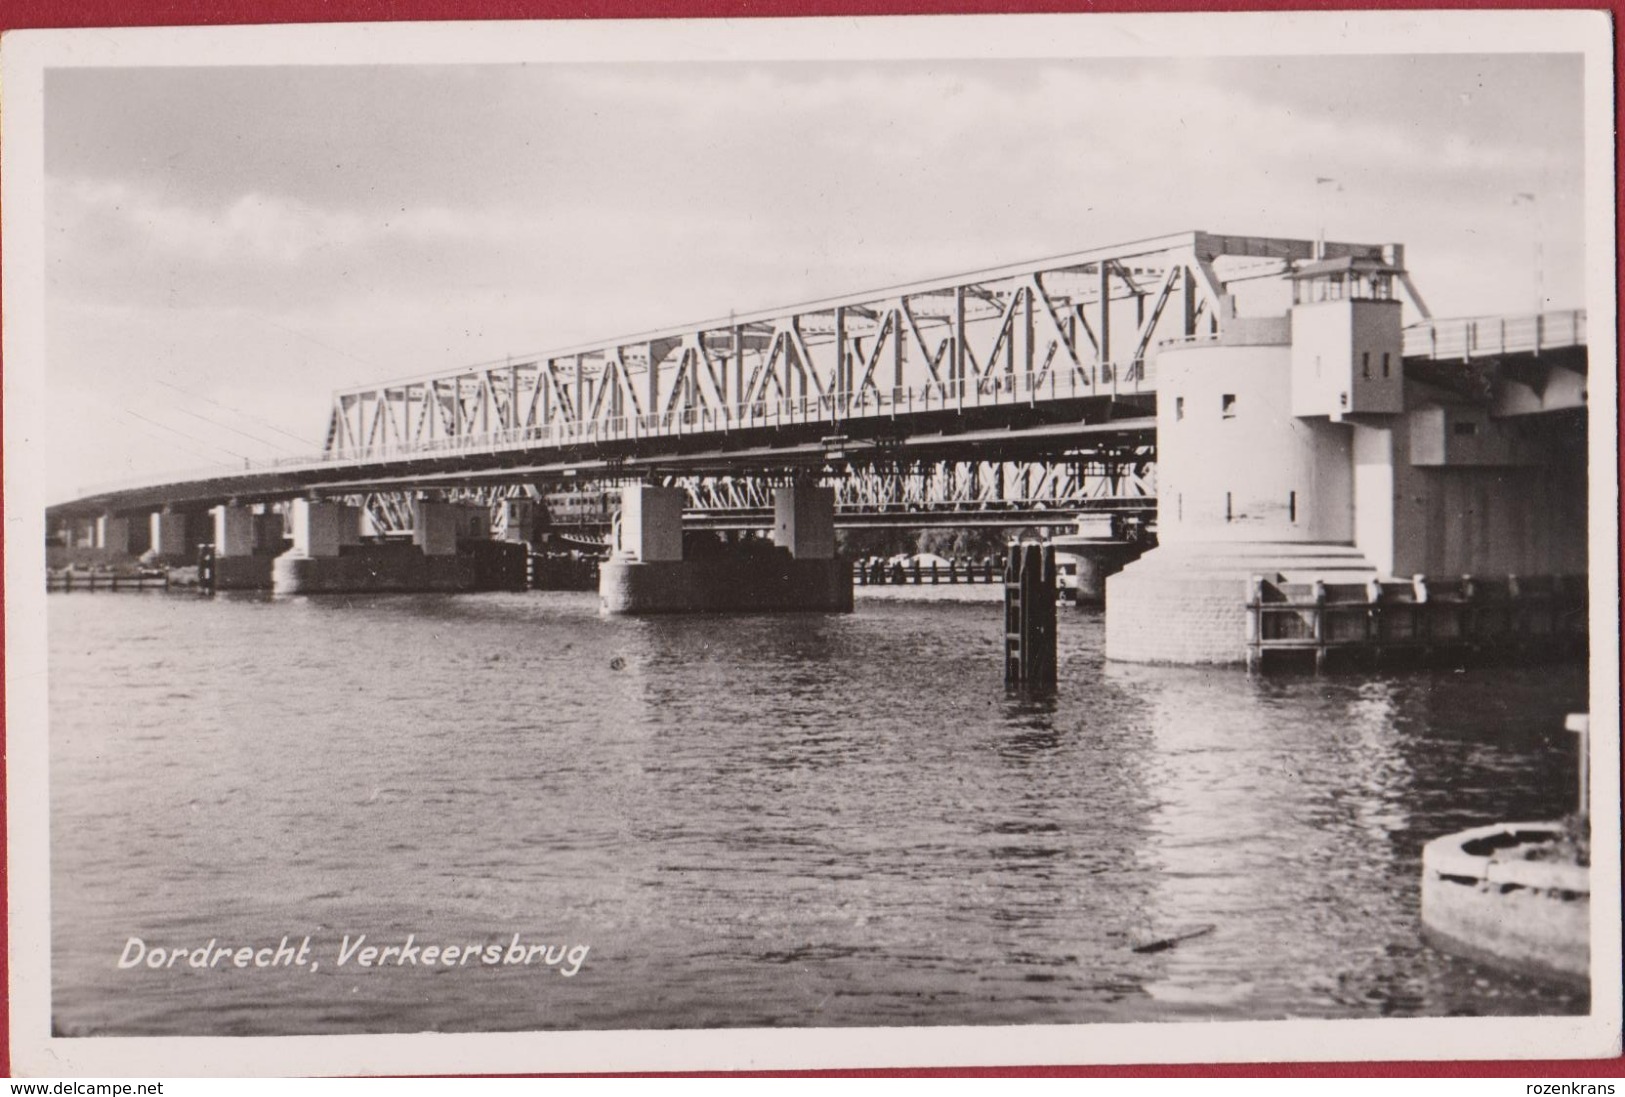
(1256, 461)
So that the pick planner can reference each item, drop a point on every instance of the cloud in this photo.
(1122, 113)
(257, 228)
(310, 229)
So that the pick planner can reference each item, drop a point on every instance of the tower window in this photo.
(1227, 405)
(1228, 512)
(1292, 507)
(1385, 363)
(1466, 428)
(1179, 407)
(1365, 364)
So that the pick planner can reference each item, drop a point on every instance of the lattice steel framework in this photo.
(1075, 326)
(1045, 364)
(968, 491)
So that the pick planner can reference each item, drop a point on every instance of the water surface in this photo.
(800, 820)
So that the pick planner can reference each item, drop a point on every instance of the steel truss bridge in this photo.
(943, 494)
(1018, 395)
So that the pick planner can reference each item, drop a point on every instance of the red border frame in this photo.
(134, 13)
(137, 13)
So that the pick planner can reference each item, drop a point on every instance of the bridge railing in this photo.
(1466, 338)
(995, 390)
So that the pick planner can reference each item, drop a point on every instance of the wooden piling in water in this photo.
(205, 568)
(1029, 615)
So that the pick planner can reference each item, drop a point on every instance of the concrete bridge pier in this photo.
(113, 534)
(174, 538)
(450, 551)
(80, 533)
(804, 521)
(520, 519)
(245, 546)
(651, 525)
(233, 531)
(438, 527)
(270, 533)
(320, 531)
(649, 570)
(1093, 562)
(92, 542)
(458, 553)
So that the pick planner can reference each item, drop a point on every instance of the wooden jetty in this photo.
(69, 580)
(1416, 620)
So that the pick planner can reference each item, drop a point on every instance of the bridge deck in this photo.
(1052, 359)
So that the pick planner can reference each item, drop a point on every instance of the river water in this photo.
(799, 820)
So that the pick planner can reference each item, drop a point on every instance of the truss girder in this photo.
(955, 486)
(938, 489)
(1063, 328)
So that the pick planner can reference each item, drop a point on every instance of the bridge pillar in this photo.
(319, 529)
(82, 533)
(314, 564)
(438, 527)
(169, 537)
(435, 527)
(519, 520)
(1084, 566)
(1375, 514)
(233, 531)
(113, 534)
(648, 573)
(242, 560)
(268, 532)
(329, 555)
(651, 527)
(804, 521)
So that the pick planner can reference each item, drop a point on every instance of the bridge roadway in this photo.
(1050, 362)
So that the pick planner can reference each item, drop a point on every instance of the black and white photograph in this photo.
(797, 543)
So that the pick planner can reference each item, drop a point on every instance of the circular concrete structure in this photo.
(1233, 462)
(1488, 894)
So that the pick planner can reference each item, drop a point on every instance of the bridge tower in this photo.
(1255, 459)
(1298, 448)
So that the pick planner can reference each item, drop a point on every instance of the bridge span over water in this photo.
(1009, 395)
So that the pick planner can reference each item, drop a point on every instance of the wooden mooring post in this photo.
(205, 568)
(1029, 615)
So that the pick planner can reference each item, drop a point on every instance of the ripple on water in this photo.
(792, 820)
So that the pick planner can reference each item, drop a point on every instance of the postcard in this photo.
(700, 545)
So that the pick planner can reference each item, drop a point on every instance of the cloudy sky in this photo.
(227, 245)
